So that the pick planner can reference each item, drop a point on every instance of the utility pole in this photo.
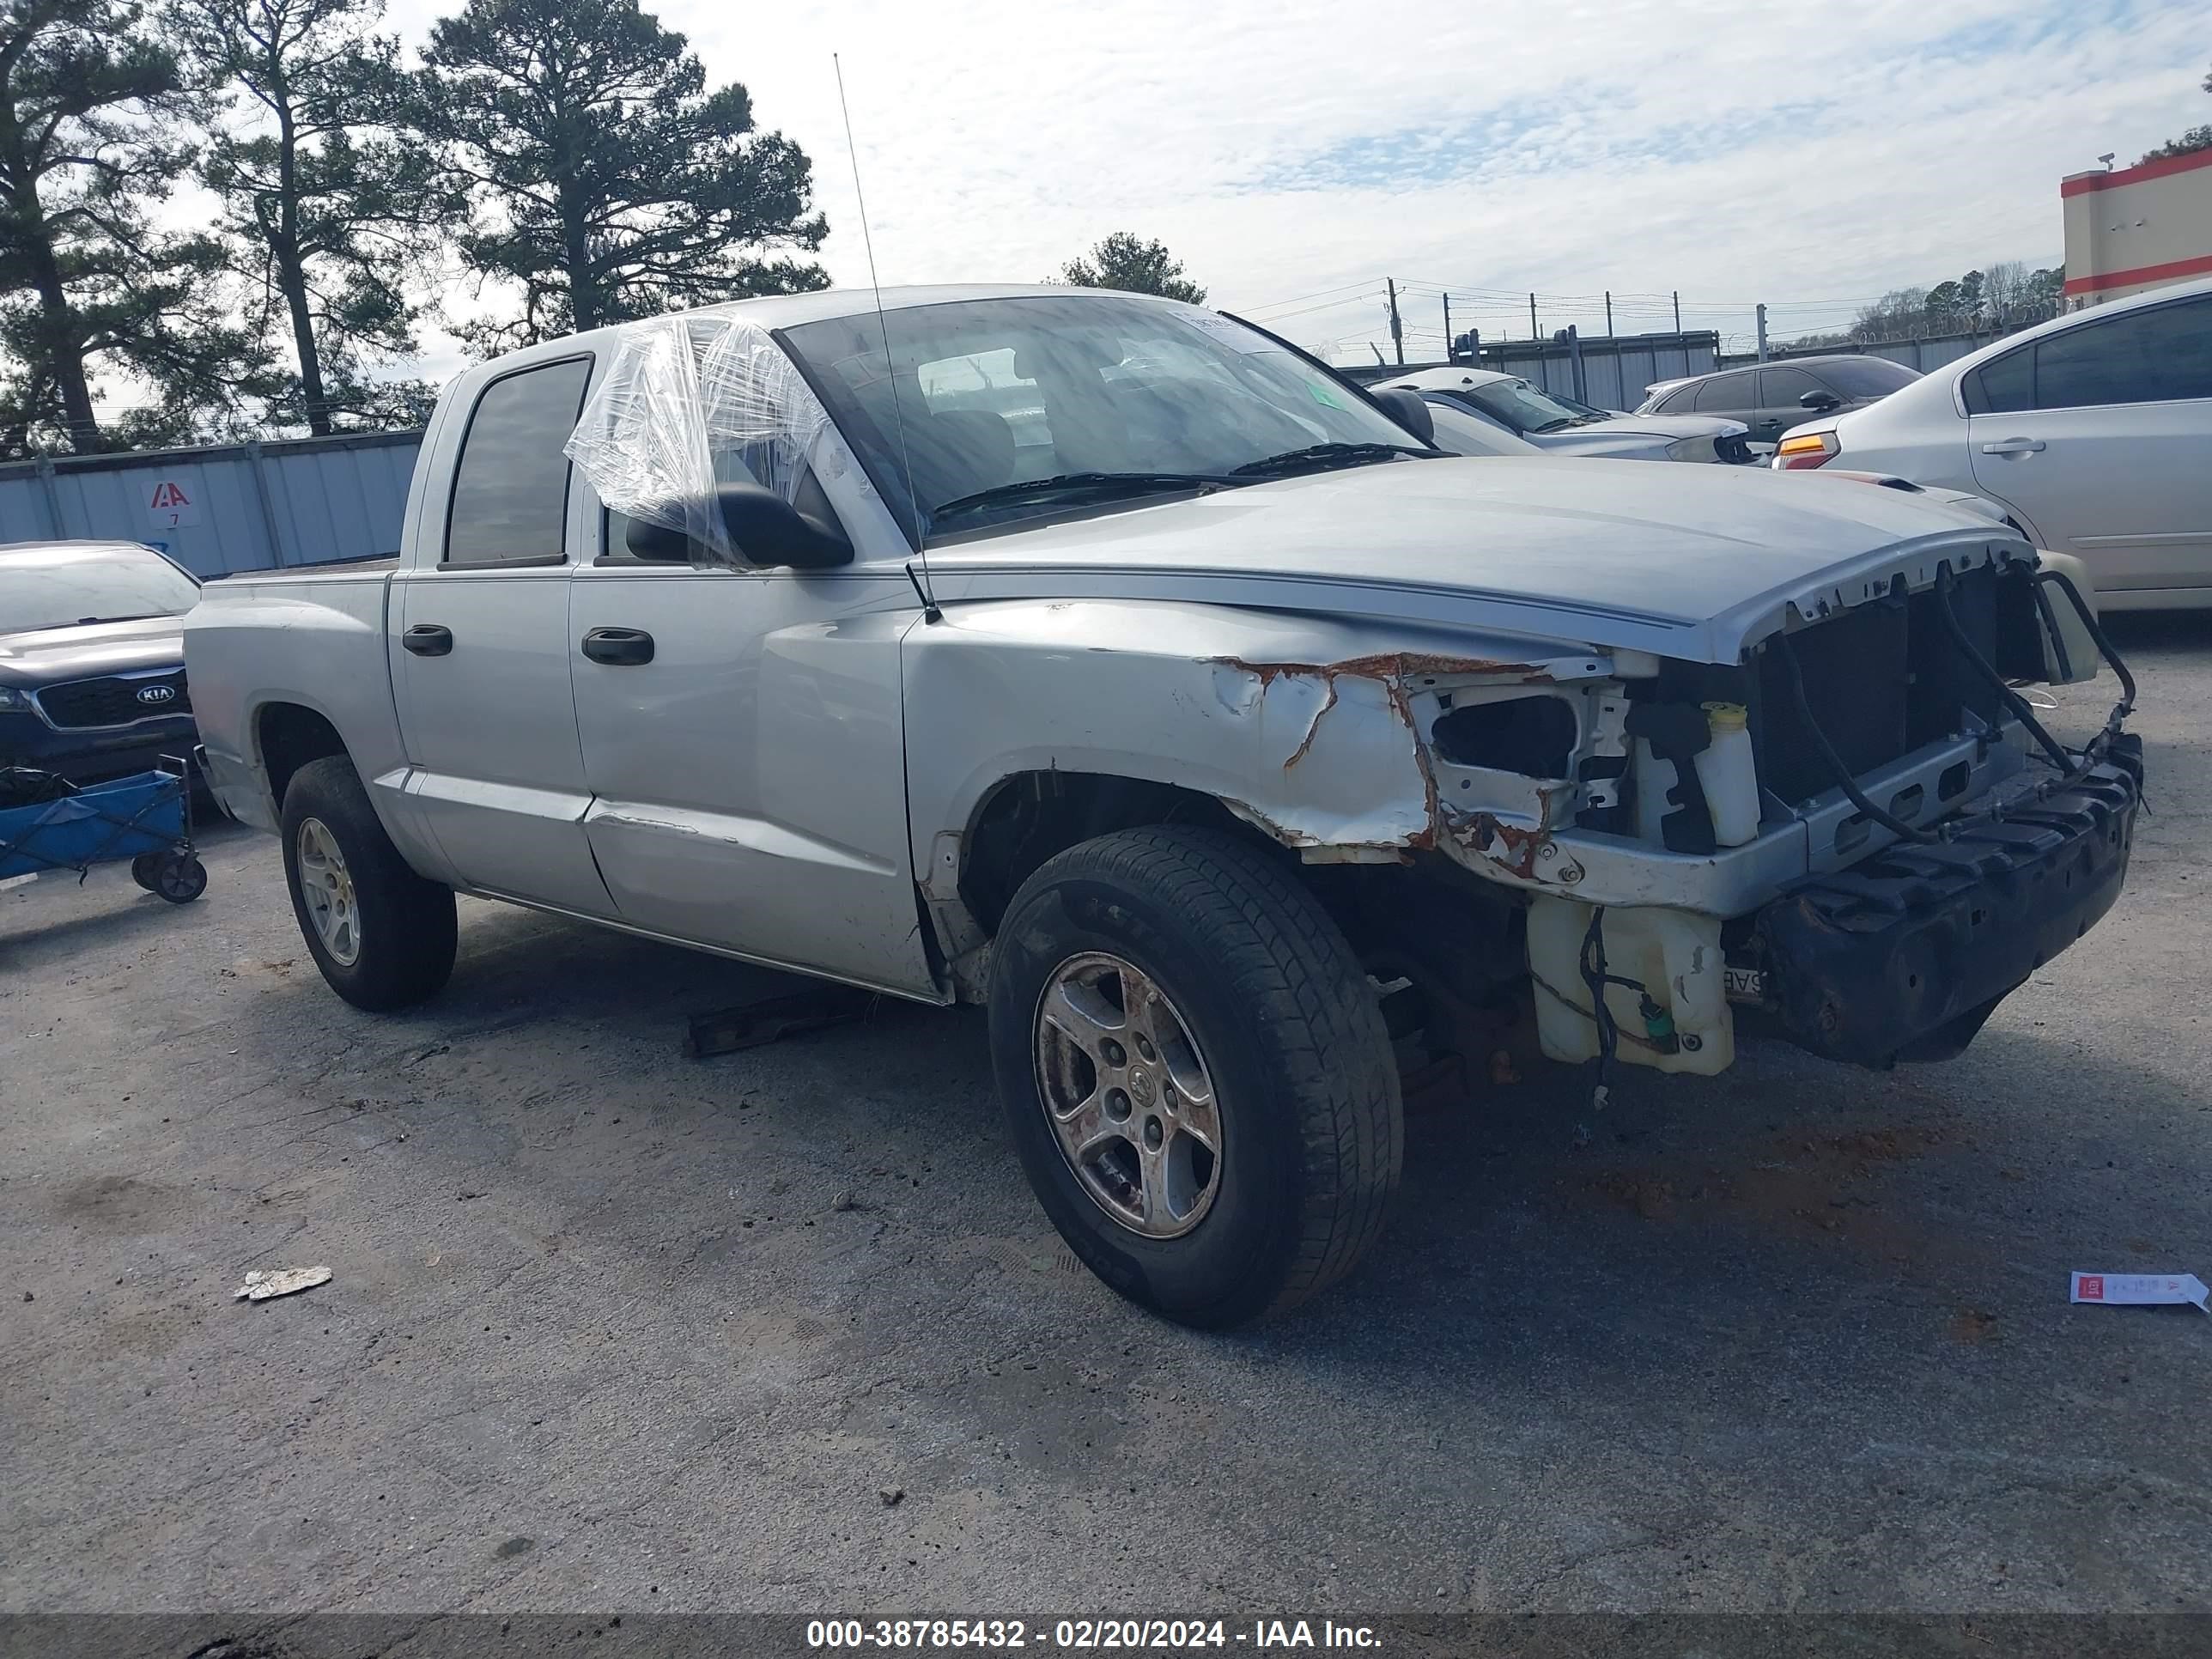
(1678, 311)
(1397, 330)
(1608, 313)
(1532, 318)
(1762, 333)
(1449, 354)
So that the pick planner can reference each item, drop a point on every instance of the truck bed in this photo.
(312, 640)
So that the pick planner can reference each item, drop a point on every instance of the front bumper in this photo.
(86, 756)
(1904, 955)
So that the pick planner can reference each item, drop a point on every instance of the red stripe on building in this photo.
(2134, 175)
(2171, 271)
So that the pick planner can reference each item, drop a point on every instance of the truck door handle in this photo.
(618, 647)
(428, 640)
(2013, 446)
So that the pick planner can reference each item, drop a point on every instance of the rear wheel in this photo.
(1195, 1073)
(383, 937)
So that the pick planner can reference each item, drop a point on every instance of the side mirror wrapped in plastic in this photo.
(658, 544)
(686, 401)
(769, 531)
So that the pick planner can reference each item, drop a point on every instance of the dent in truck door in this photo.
(750, 777)
(480, 660)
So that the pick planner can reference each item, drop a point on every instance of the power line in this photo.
(1353, 290)
(1326, 305)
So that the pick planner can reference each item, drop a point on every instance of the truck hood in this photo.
(1693, 563)
(47, 656)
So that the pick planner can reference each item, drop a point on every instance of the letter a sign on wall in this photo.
(172, 504)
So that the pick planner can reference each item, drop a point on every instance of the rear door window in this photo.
(2160, 354)
(1783, 386)
(2003, 386)
(1867, 377)
(510, 496)
(1724, 392)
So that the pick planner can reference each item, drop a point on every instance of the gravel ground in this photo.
(611, 1328)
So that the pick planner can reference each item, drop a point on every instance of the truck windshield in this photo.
(1075, 400)
(66, 586)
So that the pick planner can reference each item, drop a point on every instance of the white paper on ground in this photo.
(261, 1285)
(2187, 1289)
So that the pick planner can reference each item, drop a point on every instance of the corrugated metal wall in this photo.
(1615, 370)
(224, 508)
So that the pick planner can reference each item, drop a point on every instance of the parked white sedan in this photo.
(1564, 426)
(2094, 431)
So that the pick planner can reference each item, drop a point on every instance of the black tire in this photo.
(1311, 1123)
(142, 868)
(180, 877)
(407, 930)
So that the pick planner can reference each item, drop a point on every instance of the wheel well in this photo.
(290, 737)
(1453, 941)
(1029, 817)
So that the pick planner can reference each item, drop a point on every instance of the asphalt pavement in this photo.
(609, 1328)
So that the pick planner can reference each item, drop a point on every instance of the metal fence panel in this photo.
(225, 508)
(1924, 356)
(1615, 370)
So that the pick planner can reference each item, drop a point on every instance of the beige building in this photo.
(2138, 228)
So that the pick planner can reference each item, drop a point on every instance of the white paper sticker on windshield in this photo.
(1229, 332)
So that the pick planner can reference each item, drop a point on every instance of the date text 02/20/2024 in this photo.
(1086, 1635)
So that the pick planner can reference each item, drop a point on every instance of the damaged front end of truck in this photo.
(1859, 835)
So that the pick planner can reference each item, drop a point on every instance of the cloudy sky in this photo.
(1295, 155)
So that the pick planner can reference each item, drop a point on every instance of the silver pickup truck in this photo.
(1113, 664)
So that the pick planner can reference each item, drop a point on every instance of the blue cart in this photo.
(147, 819)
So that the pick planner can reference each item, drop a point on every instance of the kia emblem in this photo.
(154, 694)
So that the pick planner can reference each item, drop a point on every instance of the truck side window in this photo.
(510, 495)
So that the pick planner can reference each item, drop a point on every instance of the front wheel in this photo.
(1196, 1074)
(383, 936)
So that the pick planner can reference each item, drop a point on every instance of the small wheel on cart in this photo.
(179, 876)
(143, 866)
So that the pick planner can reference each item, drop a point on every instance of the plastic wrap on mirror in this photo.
(690, 403)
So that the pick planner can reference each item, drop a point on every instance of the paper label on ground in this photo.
(2137, 1289)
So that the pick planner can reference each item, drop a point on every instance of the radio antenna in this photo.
(922, 587)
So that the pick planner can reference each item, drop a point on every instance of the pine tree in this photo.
(614, 182)
(91, 110)
(1136, 267)
(325, 196)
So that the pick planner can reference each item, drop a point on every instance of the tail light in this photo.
(1807, 449)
